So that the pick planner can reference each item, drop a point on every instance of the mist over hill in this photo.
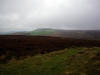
(78, 34)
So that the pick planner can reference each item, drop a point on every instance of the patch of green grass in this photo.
(42, 32)
(73, 61)
(48, 64)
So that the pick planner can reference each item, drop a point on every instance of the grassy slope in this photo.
(73, 61)
(42, 32)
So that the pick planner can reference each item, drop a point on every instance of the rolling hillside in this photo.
(19, 45)
(46, 55)
(78, 34)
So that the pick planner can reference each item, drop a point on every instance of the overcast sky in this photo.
(27, 15)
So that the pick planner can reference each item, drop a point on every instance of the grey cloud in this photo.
(26, 15)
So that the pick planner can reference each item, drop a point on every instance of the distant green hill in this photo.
(78, 34)
(42, 32)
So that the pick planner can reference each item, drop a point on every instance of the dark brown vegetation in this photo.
(19, 45)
